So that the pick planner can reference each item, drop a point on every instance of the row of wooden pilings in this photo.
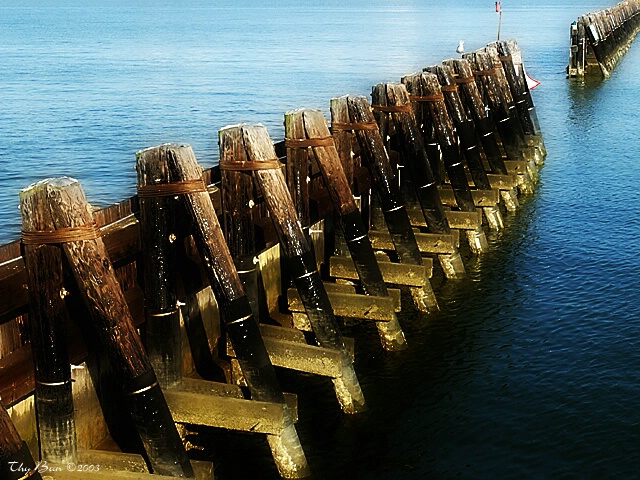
(600, 39)
(444, 149)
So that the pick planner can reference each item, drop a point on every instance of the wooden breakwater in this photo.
(600, 39)
(176, 307)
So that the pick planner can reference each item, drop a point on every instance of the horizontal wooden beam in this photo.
(226, 412)
(351, 304)
(218, 389)
(131, 462)
(434, 243)
(395, 273)
(301, 357)
(481, 198)
(457, 220)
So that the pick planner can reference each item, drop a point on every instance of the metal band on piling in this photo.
(89, 231)
(308, 142)
(436, 97)
(460, 80)
(272, 164)
(353, 126)
(171, 189)
(406, 108)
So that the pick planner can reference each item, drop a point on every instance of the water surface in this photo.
(531, 370)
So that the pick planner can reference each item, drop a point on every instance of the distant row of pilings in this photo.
(181, 300)
(600, 39)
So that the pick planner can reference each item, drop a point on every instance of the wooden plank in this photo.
(353, 305)
(481, 198)
(516, 167)
(396, 273)
(282, 333)
(301, 357)
(502, 182)
(464, 220)
(224, 412)
(205, 387)
(114, 461)
(456, 219)
(434, 243)
(340, 301)
(14, 298)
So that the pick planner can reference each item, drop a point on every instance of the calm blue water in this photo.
(532, 369)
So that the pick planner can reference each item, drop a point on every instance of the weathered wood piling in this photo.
(242, 327)
(353, 114)
(75, 229)
(249, 148)
(159, 237)
(469, 137)
(48, 330)
(425, 92)
(392, 100)
(598, 40)
(314, 134)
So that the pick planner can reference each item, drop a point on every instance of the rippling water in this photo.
(532, 368)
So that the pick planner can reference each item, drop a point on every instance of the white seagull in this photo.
(460, 48)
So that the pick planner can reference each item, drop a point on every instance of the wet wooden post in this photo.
(469, 141)
(529, 151)
(317, 137)
(393, 99)
(235, 310)
(488, 137)
(512, 57)
(16, 462)
(424, 87)
(160, 240)
(238, 202)
(485, 76)
(249, 148)
(101, 292)
(505, 120)
(353, 114)
(48, 333)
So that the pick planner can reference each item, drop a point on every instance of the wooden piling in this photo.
(238, 206)
(484, 73)
(16, 462)
(510, 55)
(425, 90)
(392, 99)
(250, 148)
(469, 141)
(241, 325)
(317, 137)
(600, 39)
(488, 136)
(160, 240)
(529, 150)
(94, 274)
(353, 114)
(48, 333)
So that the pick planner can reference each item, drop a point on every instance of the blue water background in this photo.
(531, 370)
